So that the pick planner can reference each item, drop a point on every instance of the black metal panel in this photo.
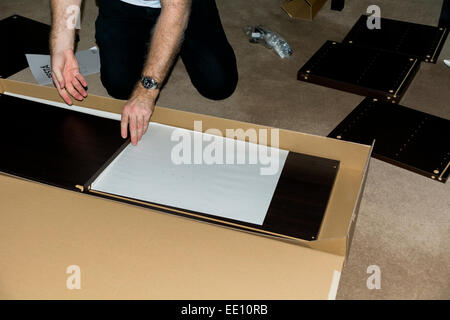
(417, 40)
(53, 145)
(364, 71)
(408, 138)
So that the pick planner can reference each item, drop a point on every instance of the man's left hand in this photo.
(137, 112)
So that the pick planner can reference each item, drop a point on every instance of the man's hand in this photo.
(137, 112)
(67, 77)
(165, 44)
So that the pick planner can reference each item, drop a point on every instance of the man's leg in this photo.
(123, 34)
(206, 53)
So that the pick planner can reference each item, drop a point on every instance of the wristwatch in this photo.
(149, 83)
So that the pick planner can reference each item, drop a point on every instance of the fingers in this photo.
(140, 127)
(58, 79)
(74, 93)
(59, 82)
(146, 120)
(63, 93)
(80, 78)
(124, 124)
(77, 85)
(133, 130)
(135, 117)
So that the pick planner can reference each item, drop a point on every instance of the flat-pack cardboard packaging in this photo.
(49, 235)
(303, 9)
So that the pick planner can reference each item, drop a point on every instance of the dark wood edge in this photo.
(337, 131)
(344, 86)
(88, 183)
(265, 228)
(354, 30)
(407, 80)
(214, 220)
(440, 46)
(302, 75)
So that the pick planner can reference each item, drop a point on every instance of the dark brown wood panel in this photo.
(297, 208)
(65, 148)
(408, 138)
(301, 197)
(21, 36)
(364, 71)
(417, 40)
(53, 145)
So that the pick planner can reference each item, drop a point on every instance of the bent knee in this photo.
(219, 88)
(117, 86)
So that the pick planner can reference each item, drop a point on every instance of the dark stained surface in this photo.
(297, 207)
(418, 40)
(364, 71)
(65, 148)
(21, 36)
(408, 138)
(301, 197)
(53, 145)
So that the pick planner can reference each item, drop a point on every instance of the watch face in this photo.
(149, 83)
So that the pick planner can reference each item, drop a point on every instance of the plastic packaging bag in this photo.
(270, 39)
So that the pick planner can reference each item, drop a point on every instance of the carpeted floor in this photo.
(404, 221)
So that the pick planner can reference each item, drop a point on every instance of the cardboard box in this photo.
(128, 252)
(303, 9)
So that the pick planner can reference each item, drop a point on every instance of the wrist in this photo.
(63, 51)
(140, 91)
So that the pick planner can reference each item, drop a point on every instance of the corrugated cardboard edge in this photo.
(331, 239)
(334, 285)
(302, 9)
(126, 253)
(351, 229)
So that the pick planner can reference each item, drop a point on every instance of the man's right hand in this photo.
(67, 77)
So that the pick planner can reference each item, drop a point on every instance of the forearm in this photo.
(167, 38)
(62, 36)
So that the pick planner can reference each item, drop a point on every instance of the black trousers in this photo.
(123, 33)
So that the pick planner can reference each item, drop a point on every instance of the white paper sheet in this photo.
(88, 61)
(148, 172)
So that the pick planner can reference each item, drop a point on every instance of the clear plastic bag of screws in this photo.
(268, 38)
